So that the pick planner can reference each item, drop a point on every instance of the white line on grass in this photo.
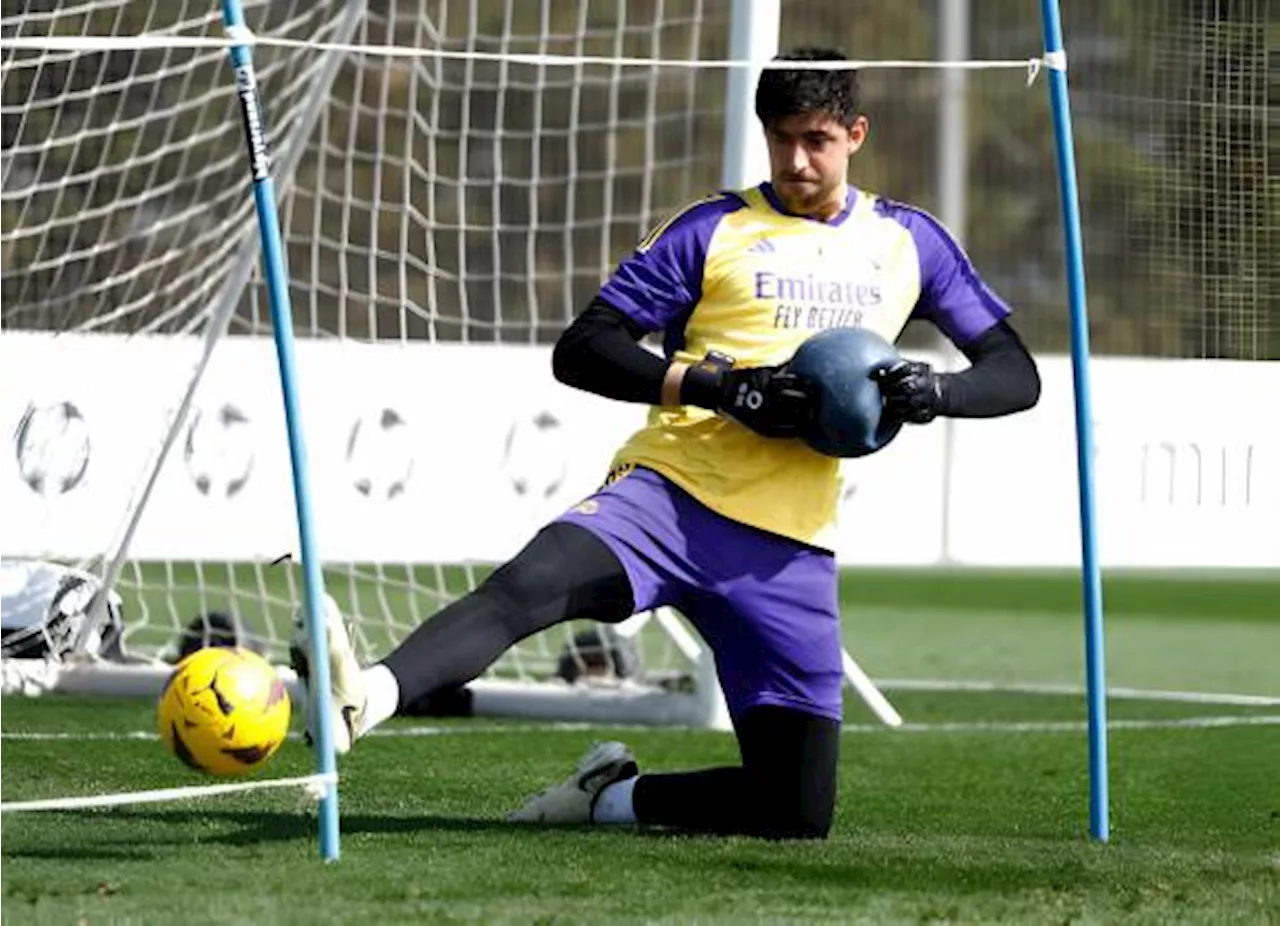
(1028, 726)
(1036, 688)
(310, 784)
(1071, 726)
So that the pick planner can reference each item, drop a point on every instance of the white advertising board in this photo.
(450, 453)
(407, 462)
(1186, 474)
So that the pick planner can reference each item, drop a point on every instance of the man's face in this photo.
(808, 157)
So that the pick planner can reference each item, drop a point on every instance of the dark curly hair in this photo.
(783, 92)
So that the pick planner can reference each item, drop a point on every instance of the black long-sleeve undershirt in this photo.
(600, 353)
(1001, 377)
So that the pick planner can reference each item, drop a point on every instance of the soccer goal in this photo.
(450, 194)
(453, 181)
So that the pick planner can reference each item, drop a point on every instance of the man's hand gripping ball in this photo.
(768, 400)
(912, 391)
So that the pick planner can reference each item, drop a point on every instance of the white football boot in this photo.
(346, 695)
(572, 800)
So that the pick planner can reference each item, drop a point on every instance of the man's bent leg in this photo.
(784, 789)
(774, 627)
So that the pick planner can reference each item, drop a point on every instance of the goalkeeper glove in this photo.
(768, 400)
(912, 391)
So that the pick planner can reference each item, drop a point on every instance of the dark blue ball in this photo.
(840, 362)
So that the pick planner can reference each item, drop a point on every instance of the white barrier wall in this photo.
(427, 453)
(1187, 469)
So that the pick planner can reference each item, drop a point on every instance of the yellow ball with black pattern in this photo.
(224, 711)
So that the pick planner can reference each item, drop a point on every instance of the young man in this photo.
(715, 507)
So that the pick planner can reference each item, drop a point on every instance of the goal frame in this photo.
(1055, 63)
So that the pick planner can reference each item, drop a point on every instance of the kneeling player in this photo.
(715, 507)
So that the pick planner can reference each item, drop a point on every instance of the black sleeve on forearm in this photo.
(600, 352)
(1001, 379)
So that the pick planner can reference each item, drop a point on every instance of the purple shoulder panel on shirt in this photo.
(952, 295)
(661, 280)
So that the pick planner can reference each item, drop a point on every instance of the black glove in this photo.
(768, 400)
(912, 391)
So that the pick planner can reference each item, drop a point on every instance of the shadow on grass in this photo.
(855, 860)
(152, 832)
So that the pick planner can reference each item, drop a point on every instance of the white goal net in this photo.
(455, 180)
(443, 213)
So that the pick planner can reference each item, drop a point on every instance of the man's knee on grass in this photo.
(793, 813)
(791, 758)
(739, 801)
(784, 789)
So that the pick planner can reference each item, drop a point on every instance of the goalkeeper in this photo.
(714, 507)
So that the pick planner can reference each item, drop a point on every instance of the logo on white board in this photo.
(52, 448)
(380, 454)
(219, 450)
(534, 457)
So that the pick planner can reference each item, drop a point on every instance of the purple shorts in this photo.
(765, 604)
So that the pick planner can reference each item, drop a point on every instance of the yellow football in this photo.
(224, 711)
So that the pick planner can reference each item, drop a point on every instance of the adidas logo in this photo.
(763, 246)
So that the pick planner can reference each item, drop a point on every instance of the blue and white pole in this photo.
(1094, 652)
(282, 325)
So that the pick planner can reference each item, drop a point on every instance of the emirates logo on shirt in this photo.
(817, 290)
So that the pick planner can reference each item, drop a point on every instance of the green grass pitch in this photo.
(976, 813)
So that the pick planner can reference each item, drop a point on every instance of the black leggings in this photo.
(786, 785)
(564, 573)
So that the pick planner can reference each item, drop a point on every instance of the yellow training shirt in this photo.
(736, 273)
